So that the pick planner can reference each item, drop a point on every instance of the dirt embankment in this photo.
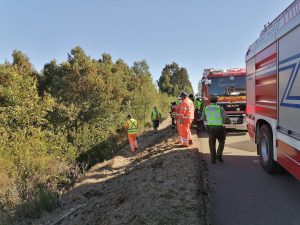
(158, 185)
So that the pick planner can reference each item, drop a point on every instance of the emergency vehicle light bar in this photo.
(223, 71)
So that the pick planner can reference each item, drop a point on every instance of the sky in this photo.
(196, 34)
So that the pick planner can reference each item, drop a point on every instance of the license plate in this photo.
(233, 120)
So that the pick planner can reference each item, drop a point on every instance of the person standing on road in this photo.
(156, 118)
(215, 115)
(194, 122)
(132, 129)
(191, 97)
(198, 105)
(198, 113)
(187, 117)
(178, 120)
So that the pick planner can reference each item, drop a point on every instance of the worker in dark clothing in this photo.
(194, 123)
(173, 114)
(198, 114)
(214, 116)
(191, 96)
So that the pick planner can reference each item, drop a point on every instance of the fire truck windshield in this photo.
(228, 86)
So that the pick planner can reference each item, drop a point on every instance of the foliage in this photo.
(174, 79)
(69, 116)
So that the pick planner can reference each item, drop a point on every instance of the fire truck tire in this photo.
(266, 153)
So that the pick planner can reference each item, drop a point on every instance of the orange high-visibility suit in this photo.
(187, 112)
(179, 123)
(132, 128)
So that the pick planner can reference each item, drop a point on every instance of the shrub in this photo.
(56, 124)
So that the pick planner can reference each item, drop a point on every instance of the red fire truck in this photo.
(230, 87)
(273, 92)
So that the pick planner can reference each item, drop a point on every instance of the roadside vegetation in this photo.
(174, 79)
(57, 123)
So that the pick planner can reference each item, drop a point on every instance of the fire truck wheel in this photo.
(265, 147)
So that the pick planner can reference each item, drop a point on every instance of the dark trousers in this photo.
(173, 121)
(200, 124)
(155, 124)
(216, 133)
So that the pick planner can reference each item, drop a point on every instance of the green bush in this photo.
(55, 124)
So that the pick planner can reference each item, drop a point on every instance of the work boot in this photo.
(183, 146)
(220, 158)
(213, 159)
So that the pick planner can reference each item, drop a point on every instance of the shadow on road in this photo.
(235, 133)
(204, 134)
(245, 194)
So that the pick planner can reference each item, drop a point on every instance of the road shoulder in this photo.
(160, 184)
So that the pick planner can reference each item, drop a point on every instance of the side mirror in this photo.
(208, 82)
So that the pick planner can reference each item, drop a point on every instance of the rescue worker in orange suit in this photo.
(132, 129)
(178, 120)
(173, 114)
(215, 115)
(187, 117)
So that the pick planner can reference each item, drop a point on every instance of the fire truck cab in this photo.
(230, 87)
(273, 92)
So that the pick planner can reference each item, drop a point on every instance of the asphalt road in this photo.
(243, 194)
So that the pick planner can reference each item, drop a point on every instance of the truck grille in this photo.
(234, 106)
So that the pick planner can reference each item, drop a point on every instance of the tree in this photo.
(106, 59)
(174, 79)
(141, 68)
(69, 115)
(29, 159)
(22, 64)
(181, 79)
